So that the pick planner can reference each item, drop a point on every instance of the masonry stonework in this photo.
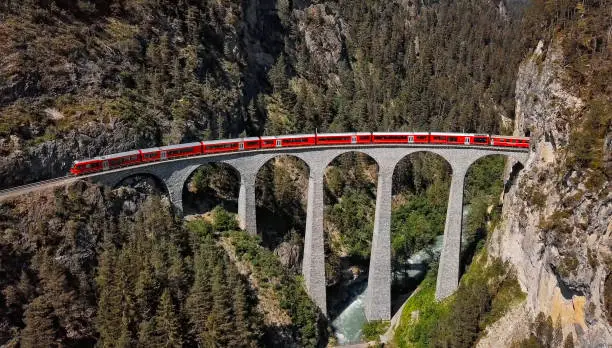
(174, 174)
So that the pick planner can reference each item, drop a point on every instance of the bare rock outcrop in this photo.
(556, 229)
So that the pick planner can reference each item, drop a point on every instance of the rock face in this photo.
(555, 231)
(324, 35)
(289, 255)
(54, 157)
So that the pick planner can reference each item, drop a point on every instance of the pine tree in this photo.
(167, 327)
(109, 314)
(220, 325)
(39, 330)
(243, 334)
(199, 301)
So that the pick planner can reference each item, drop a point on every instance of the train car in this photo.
(180, 150)
(86, 166)
(268, 142)
(400, 138)
(296, 140)
(343, 138)
(251, 143)
(118, 160)
(509, 141)
(389, 138)
(150, 155)
(364, 137)
(450, 138)
(481, 139)
(418, 138)
(217, 146)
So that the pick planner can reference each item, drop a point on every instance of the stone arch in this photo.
(281, 183)
(137, 179)
(421, 185)
(350, 185)
(209, 184)
(406, 155)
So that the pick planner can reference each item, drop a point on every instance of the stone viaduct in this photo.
(175, 173)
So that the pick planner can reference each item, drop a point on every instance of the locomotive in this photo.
(130, 158)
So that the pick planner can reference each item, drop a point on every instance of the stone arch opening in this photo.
(483, 192)
(211, 185)
(421, 186)
(144, 183)
(350, 189)
(281, 189)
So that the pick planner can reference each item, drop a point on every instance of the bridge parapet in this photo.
(175, 173)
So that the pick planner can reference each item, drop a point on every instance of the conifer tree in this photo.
(39, 330)
(199, 300)
(167, 327)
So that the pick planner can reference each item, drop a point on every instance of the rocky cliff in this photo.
(556, 227)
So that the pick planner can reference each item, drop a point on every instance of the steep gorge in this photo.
(556, 228)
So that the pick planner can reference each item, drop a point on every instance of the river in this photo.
(347, 326)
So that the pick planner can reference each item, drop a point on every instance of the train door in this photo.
(241, 146)
(410, 139)
(353, 139)
(279, 143)
(467, 141)
(164, 155)
(105, 165)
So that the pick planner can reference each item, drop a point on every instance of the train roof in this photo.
(288, 136)
(341, 134)
(453, 134)
(509, 137)
(221, 141)
(179, 146)
(151, 149)
(116, 155)
(400, 133)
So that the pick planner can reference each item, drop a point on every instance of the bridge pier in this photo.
(448, 270)
(378, 293)
(313, 266)
(247, 207)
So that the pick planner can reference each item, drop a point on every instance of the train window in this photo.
(91, 165)
(480, 140)
(268, 142)
(221, 146)
(150, 155)
(452, 138)
(422, 137)
(334, 138)
(297, 140)
(390, 137)
(439, 138)
(255, 142)
(364, 137)
(180, 151)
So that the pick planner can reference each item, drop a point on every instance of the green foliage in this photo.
(223, 220)
(305, 315)
(353, 216)
(372, 330)
(415, 225)
(160, 286)
(485, 294)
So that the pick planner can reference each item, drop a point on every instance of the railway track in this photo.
(19, 190)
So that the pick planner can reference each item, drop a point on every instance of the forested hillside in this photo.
(86, 266)
(83, 78)
(89, 266)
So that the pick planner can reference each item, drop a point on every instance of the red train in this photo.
(130, 158)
